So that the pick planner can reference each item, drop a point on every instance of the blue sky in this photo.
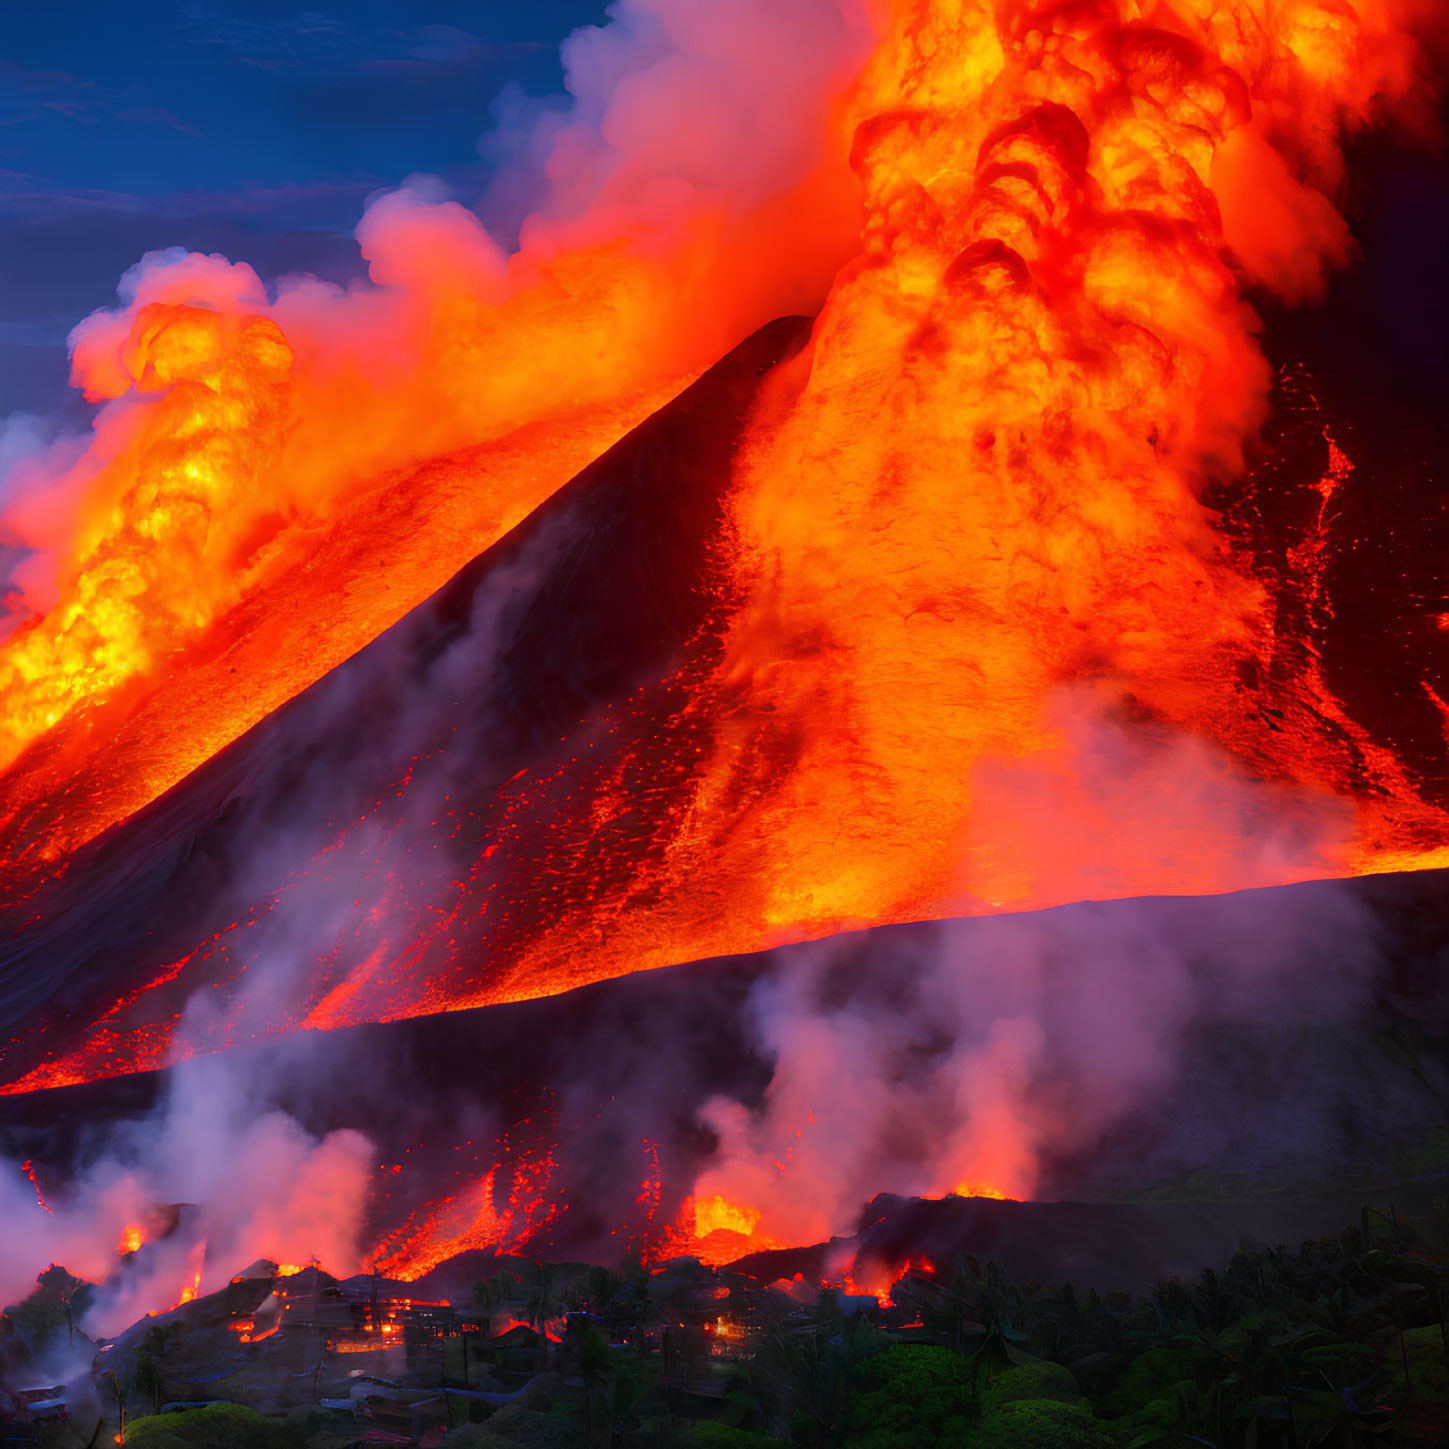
(257, 129)
(254, 129)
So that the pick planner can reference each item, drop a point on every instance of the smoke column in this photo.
(694, 189)
(968, 1056)
(251, 1182)
(980, 493)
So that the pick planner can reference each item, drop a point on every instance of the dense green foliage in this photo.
(912, 1394)
(920, 1394)
(710, 1435)
(1040, 1424)
(218, 1426)
(1342, 1343)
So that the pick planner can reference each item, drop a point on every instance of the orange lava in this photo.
(981, 1189)
(28, 1168)
(273, 480)
(993, 652)
(882, 1282)
(718, 1231)
(715, 1214)
(240, 650)
(502, 1209)
(191, 1289)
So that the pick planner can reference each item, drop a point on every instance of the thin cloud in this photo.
(26, 79)
(73, 110)
(271, 44)
(152, 116)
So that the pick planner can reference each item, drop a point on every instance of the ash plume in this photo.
(235, 415)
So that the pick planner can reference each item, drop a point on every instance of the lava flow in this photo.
(995, 652)
(249, 508)
(992, 654)
(933, 614)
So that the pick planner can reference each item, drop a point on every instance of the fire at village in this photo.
(760, 759)
(676, 1352)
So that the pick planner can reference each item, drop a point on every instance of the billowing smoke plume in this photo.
(968, 1056)
(249, 1181)
(986, 481)
(694, 188)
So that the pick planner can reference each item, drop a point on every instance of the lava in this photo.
(278, 474)
(976, 637)
(718, 1231)
(243, 646)
(996, 655)
(500, 1209)
(988, 641)
(28, 1168)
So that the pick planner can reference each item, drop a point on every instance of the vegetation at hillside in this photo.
(1341, 1342)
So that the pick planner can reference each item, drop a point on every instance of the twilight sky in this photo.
(254, 129)
(258, 130)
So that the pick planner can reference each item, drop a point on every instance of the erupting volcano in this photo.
(921, 462)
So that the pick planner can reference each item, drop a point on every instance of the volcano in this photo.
(463, 815)
(492, 763)
(982, 741)
(529, 1127)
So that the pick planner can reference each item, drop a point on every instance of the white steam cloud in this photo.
(967, 1056)
(255, 1182)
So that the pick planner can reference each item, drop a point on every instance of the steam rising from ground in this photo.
(972, 1054)
(255, 1185)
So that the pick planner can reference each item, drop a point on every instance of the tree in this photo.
(615, 1384)
(912, 1394)
(543, 1286)
(218, 1426)
(806, 1375)
(146, 1377)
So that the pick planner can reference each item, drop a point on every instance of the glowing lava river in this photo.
(511, 629)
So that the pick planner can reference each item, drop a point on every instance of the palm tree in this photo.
(542, 1302)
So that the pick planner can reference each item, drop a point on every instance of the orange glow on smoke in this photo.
(132, 1237)
(159, 540)
(258, 466)
(238, 638)
(191, 1289)
(992, 651)
(993, 633)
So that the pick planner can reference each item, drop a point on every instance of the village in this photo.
(1341, 1340)
(546, 1355)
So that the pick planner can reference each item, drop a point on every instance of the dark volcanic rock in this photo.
(425, 809)
(1275, 1124)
